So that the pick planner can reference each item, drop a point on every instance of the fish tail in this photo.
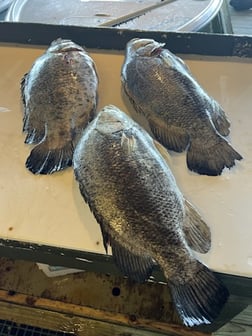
(200, 300)
(43, 160)
(212, 160)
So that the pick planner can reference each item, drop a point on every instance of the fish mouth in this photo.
(156, 51)
(147, 47)
(62, 46)
(67, 49)
(109, 126)
(111, 120)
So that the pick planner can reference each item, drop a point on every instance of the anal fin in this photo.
(172, 137)
(197, 233)
(219, 119)
(35, 136)
(35, 129)
(137, 268)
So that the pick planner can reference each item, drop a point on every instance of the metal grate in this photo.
(8, 328)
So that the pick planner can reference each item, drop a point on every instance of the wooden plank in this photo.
(245, 317)
(241, 325)
(37, 305)
(67, 323)
(99, 291)
(148, 301)
(241, 21)
(53, 315)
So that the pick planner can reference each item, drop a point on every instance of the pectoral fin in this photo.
(163, 151)
(22, 87)
(197, 233)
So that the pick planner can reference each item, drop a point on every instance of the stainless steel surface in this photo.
(180, 15)
(204, 17)
(128, 17)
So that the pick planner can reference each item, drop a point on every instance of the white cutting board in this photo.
(49, 209)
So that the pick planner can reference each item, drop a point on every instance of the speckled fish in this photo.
(180, 113)
(143, 215)
(60, 97)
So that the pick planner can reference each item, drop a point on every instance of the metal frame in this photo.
(116, 39)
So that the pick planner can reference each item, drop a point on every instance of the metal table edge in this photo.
(115, 39)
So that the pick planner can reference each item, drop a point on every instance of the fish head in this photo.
(111, 120)
(61, 45)
(144, 47)
(119, 128)
(138, 47)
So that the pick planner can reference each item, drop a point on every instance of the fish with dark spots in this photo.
(60, 98)
(181, 115)
(143, 216)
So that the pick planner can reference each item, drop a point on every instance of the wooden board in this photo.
(88, 297)
(241, 21)
(92, 299)
(241, 325)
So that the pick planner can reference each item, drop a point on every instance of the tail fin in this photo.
(211, 161)
(43, 160)
(201, 300)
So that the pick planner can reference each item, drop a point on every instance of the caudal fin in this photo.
(200, 300)
(211, 160)
(43, 160)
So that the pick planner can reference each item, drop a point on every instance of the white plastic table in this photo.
(49, 210)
